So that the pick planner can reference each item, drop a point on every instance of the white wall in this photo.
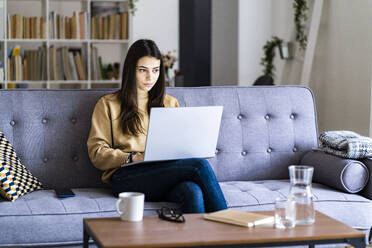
(286, 71)
(254, 30)
(159, 21)
(342, 66)
(341, 75)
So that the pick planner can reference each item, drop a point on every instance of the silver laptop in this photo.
(183, 132)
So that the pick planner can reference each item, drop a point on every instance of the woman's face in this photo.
(147, 72)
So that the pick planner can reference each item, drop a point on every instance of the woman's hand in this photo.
(137, 157)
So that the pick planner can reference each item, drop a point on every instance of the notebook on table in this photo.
(183, 132)
(240, 218)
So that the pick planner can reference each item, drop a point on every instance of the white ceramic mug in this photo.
(130, 206)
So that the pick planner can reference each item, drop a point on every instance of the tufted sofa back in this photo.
(263, 130)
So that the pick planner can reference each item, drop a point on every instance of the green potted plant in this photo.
(109, 72)
(300, 17)
(116, 70)
(132, 6)
(269, 55)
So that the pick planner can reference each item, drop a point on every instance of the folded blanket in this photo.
(346, 144)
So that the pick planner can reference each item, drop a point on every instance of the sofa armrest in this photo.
(347, 175)
(367, 191)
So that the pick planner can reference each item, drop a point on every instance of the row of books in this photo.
(64, 27)
(21, 27)
(65, 63)
(96, 64)
(26, 65)
(114, 26)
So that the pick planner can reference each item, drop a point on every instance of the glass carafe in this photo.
(301, 193)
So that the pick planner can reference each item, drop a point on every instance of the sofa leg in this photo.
(86, 239)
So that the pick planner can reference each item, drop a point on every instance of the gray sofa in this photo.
(263, 131)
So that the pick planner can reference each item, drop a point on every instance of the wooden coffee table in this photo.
(197, 232)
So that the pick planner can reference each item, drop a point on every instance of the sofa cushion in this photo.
(41, 219)
(87, 200)
(15, 179)
(351, 209)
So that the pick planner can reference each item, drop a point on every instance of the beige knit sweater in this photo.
(108, 146)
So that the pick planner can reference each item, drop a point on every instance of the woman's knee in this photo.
(191, 190)
(200, 163)
(191, 186)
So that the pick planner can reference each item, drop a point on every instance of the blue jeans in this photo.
(190, 182)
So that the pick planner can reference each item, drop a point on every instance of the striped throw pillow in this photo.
(15, 179)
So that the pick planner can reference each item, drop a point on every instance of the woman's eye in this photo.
(155, 70)
(142, 70)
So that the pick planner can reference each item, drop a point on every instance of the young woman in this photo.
(118, 136)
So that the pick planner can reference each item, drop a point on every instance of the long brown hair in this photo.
(130, 116)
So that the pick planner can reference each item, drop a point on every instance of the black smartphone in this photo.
(63, 193)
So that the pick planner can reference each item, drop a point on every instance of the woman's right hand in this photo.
(138, 157)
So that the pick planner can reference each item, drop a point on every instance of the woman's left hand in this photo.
(138, 157)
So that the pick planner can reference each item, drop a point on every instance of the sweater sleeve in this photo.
(100, 150)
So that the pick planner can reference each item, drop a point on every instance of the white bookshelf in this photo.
(44, 10)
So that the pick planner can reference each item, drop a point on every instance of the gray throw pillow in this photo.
(347, 175)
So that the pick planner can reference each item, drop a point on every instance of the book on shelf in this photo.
(26, 65)
(19, 26)
(67, 70)
(93, 28)
(117, 27)
(26, 30)
(111, 26)
(240, 218)
(105, 28)
(95, 66)
(82, 24)
(124, 25)
(74, 26)
(99, 29)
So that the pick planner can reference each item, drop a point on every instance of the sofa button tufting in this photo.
(244, 153)
(294, 149)
(45, 159)
(44, 120)
(267, 117)
(292, 116)
(75, 158)
(12, 123)
(217, 151)
(73, 120)
(240, 117)
(269, 150)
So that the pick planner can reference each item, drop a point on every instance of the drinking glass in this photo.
(285, 213)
